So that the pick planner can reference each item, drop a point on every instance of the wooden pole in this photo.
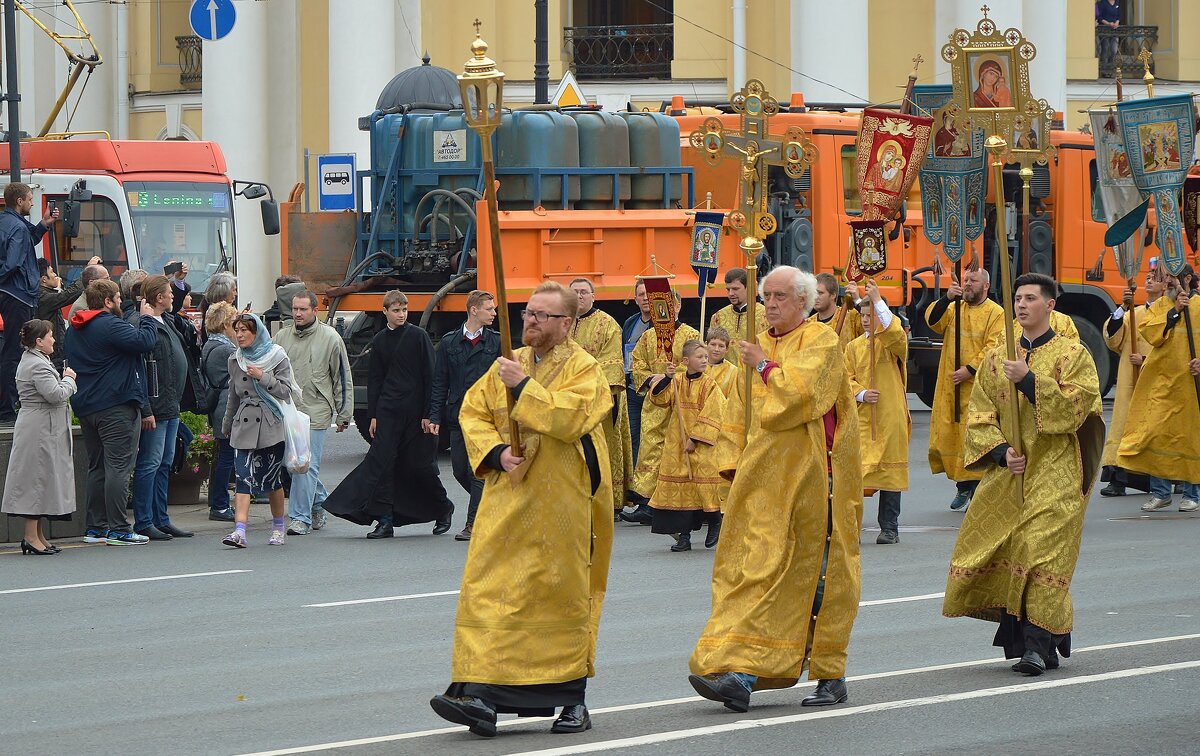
(997, 147)
(489, 193)
(958, 341)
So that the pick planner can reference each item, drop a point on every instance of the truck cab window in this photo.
(850, 196)
(1097, 199)
(100, 233)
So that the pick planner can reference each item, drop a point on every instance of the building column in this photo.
(820, 31)
(236, 100)
(1045, 25)
(363, 51)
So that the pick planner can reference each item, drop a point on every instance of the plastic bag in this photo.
(297, 451)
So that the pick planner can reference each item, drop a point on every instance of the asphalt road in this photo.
(187, 647)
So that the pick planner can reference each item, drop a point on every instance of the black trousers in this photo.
(15, 313)
(889, 510)
(111, 438)
(967, 485)
(463, 472)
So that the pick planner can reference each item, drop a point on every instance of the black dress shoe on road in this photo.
(221, 515)
(472, 712)
(713, 535)
(723, 688)
(441, 526)
(175, 532)
(683, 543)
(828, 693)
(641, 515)
(382, 531)
(1113, 489)
(573, 719)
(154, 534)
(1031, 664)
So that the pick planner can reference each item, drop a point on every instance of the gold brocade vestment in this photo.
(1163, 437)
(600, 336)
(734, 323)
(690, 481)
(773, 539)
(982, 329)
(1017, 555)
(537, 565)
(884, 457)
(1121, 343)
(725, 374)
(851, 327)
(648, 361)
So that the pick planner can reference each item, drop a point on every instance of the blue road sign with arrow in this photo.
(212, 19)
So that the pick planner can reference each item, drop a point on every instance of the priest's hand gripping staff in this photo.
(756, 149)
(482, 89)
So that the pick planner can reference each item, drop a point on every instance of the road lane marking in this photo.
(750, 724)
(121, 582)
(695, 699)
(380, 599)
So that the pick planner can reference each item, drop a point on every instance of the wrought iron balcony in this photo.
(638, 51)
(191, 60)
(1118, 48)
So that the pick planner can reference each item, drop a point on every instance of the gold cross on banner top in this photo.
(756, 149)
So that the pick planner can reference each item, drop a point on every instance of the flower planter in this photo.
(184, 487)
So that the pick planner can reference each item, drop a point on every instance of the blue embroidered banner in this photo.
(706, 248)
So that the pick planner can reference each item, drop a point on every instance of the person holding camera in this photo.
(52, 298)
(41, 441)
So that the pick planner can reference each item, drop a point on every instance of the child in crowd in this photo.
(721, 370)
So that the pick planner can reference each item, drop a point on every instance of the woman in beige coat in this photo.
(41, 475)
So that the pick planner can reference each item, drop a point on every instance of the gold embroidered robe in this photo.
(647, 361)
(1018, 556)
(851, 328)
(537, 565)
(725, 374)
(1161, 438)
(768, 562)
(885, 456)
(690, 481)
(600, 336)
(735, 324)
(1121, 342)
(982, 329)
(1060, 323)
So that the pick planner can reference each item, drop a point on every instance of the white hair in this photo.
(804, 284)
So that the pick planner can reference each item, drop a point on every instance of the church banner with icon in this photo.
(1191, 212)
(953, 175)
(706, 248)
(1120, 197)
(662, 311)
(1159, 139)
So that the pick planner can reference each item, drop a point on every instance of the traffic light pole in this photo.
(11, 94)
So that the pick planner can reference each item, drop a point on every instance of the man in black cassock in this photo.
(403, 454)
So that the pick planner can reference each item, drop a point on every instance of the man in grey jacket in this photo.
(322, 371)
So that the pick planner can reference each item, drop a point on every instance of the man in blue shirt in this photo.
(20, 282)
(1108, 13)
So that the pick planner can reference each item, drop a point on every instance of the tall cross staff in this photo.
(756, 150)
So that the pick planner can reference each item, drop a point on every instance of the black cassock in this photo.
(399, 475)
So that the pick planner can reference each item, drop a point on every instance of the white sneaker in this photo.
(320, 519)
(1153, 504)
(1189, 505)
(277, 538)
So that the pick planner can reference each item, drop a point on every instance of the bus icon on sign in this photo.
(337, 177)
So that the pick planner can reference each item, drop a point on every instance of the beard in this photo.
(974, 299)
(115, 310)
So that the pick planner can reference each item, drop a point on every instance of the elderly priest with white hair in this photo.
(786, 574)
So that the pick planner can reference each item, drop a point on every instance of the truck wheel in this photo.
(1090, 336)
(362, 421)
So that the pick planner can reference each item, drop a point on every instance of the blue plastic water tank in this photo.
(537, 139)
(653, 143)
(603, 143)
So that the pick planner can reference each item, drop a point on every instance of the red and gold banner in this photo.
(662, 311)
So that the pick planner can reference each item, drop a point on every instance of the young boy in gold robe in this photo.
(689, 486)
(721, 370)
(884, 425)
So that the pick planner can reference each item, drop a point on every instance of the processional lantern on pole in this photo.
(756, 150)
(482, 90)
(990, 71)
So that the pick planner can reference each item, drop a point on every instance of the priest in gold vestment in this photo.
(885, 453)
(1161, 439)
(733, 316)
(786, 575)
(600, 336)
(829, 309)
(537, 566)
(1016, 552)
(981, 329)
(1120, 337)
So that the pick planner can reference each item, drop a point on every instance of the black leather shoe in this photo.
(888, 536)
(382, 531)
(221, 515)
(472, 712)
(441, 526)
(828, 693)
(640, 516)
(1113, 489)
(573, 719)
(1031, 664)
(713, 535)
(724, 688)
(154, 534)
(683, 543)
(175, 532)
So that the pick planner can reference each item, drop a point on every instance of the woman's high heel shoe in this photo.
(29, 548)
(52, 548)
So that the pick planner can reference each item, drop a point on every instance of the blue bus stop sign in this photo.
(212, 19)
(336, 182)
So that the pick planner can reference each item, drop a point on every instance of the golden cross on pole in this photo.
(985, 10)
(755, 148)
(1145, 57)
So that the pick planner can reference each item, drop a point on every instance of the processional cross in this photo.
(756, 150)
